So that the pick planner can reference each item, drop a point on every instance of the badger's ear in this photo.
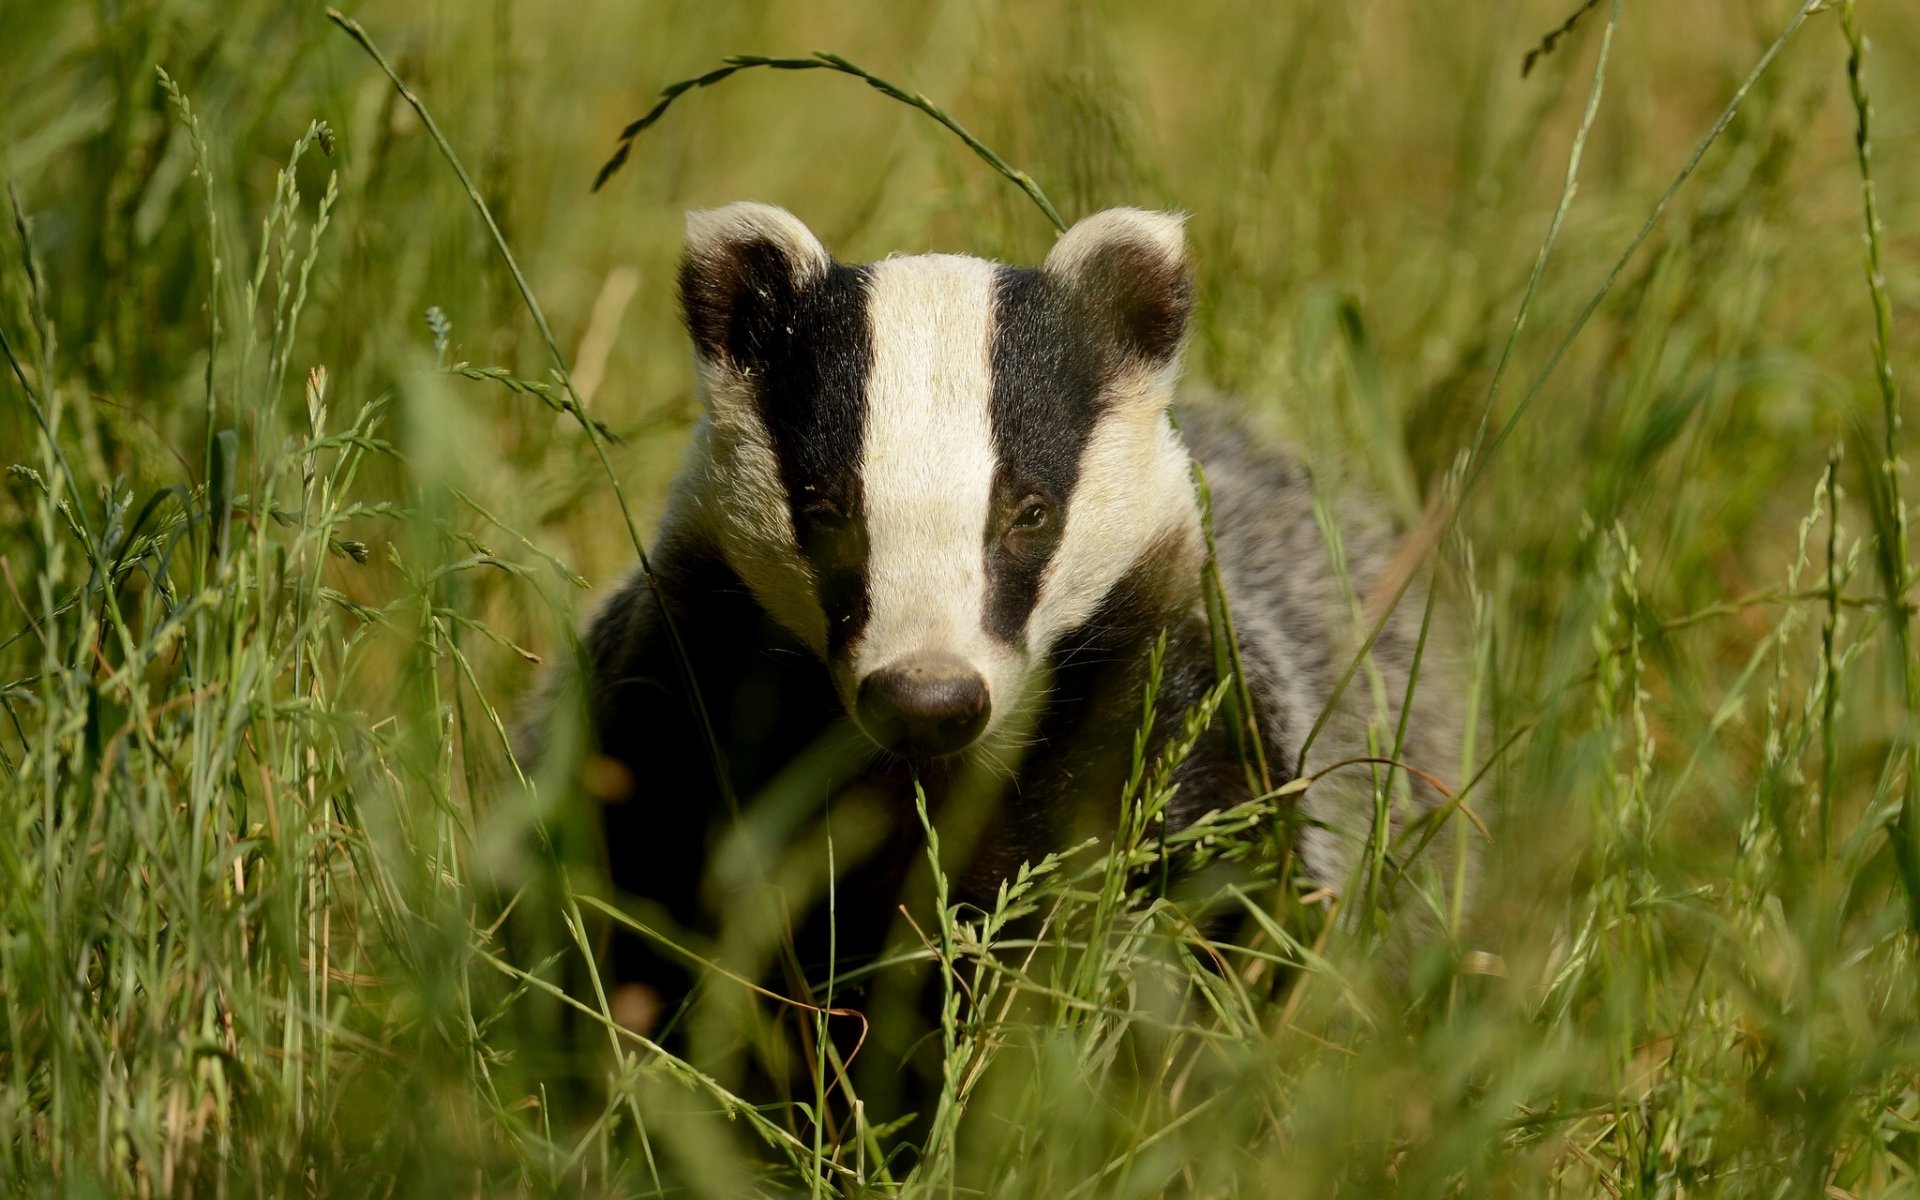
(1129, 267)
(745, 264)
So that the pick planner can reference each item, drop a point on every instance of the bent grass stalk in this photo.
(823, 60)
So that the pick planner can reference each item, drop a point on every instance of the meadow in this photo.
(333, 394)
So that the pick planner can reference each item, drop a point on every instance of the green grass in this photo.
(311, 477)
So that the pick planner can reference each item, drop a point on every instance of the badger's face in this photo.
(931, 468)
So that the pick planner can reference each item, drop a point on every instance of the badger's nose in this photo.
(926, 706)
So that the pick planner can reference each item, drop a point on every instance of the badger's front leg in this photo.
(694, 700)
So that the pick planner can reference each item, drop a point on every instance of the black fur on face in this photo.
(1062, 336)
(1047, 382)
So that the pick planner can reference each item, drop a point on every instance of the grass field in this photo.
(303, 489)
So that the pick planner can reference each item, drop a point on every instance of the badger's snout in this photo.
(925, 706)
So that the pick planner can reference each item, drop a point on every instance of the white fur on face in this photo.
(928, 470)
(742, 501)
(1134, 494)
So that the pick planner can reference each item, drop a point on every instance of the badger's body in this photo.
(941, 502)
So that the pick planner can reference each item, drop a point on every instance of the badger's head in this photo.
(932, 468)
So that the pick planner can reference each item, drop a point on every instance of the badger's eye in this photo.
(823, 514)
(829, 534)
(1034, 514)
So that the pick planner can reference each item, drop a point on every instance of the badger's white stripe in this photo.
(733, 490)
(1134, 496)
(928, 472)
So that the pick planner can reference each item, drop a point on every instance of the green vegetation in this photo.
(303, 487)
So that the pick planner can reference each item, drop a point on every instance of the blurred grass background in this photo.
(256, 797)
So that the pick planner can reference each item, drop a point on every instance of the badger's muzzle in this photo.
(924, 706)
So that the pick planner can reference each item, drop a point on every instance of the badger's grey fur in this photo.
(942, 500)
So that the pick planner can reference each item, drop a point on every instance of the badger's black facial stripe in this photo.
(808, 353)
(1047, 381)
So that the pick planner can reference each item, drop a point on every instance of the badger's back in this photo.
(1303, 604)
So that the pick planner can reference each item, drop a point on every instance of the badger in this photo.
(937, 515)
